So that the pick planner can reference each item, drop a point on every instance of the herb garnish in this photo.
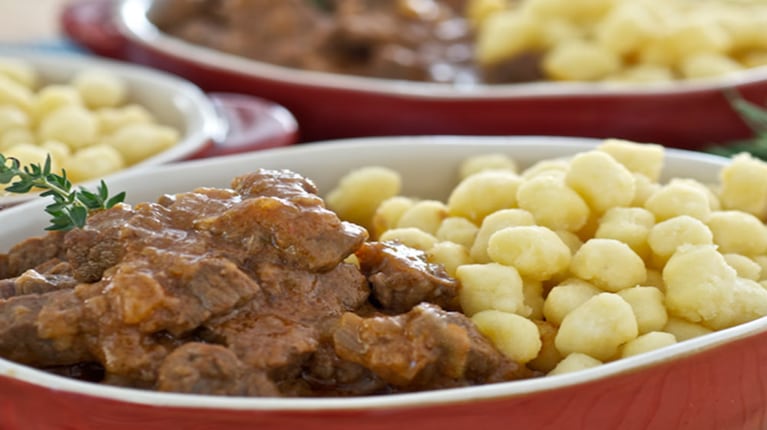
(70, 206)
(755, 117)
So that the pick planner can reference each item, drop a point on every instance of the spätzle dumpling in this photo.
(598, 327)
(630, 225)
(702, 288)
(15, 94)
(744, 185)
(648, 306)
(449, 254)
(352, 199)
(493, 161)
(410, 236)
(13, 117)
(483, 193)
(72, 124)
(580, 60)
(388, 212)
(19, 70)
(492, 223)
(426, 215)
(667, 236)
(93, 162)
(52, 97)
(552, 203)
(457, 229)
(643, 158)
(515, 336)
(491, 286)
(565, 297)
(679, 198)
(647, 342)
(683, 329)
(738, 232)
(556, 167)
(707, 64)
(573, 363)
(609, 264)
(744, 266)
(113, 118)
(601, 180)
(536, 252)
(99, 88)
(136, 142)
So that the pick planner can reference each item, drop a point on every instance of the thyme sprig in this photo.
(755, 117)
(71, 206)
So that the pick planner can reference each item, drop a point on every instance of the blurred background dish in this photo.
(683, 113)
(714, 380)
(154, 107)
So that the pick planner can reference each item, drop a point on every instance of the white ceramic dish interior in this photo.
(173, 101)
(325, 163)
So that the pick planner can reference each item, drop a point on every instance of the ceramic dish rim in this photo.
(499, 391)
(133, 22)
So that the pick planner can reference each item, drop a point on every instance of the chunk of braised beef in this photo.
(426, 348)
(401, 277)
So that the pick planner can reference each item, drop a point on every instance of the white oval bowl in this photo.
(713, 380)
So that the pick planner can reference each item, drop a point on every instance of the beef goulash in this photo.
(256, 290)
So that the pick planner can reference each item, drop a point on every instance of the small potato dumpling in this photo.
(15, 136)
(602, 181)
(626, 27)
(683, 329)
(478, 10)
(609, 264)
(27, 153)
(492, 223)
(649, 307)
(426, 215)
(630, 225)
(352, 199)
(644, 158)
(72, 124)
(708, 190)
(450, 255)
(483, 193)
(112, 119)
(644, 189)
(744, 185)
(458, 230)
(515, 336)
(555, 167)
(13, 117)
(93, 162)
(738, 232)
(707, 65)
(19, 70)
(573, 363)
(60, 152)
(552, 203)
(387, 213)
(580, 60)
(100, 88)
(647, 342)
(679, 198)
(702, 288)
(137, 142)
(744, 266)
(491, 286)
(15, 94)
(598, 327)
(667, 236)
(480, 163)
(535, 251)
(504, 35)
(52, 97)
(410, 236)
(533, 292)
(565, 297)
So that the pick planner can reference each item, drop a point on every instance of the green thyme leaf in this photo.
(70, 207)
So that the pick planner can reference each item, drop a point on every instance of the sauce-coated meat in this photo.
(239, 291)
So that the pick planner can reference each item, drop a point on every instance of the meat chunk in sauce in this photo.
(239, 291)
